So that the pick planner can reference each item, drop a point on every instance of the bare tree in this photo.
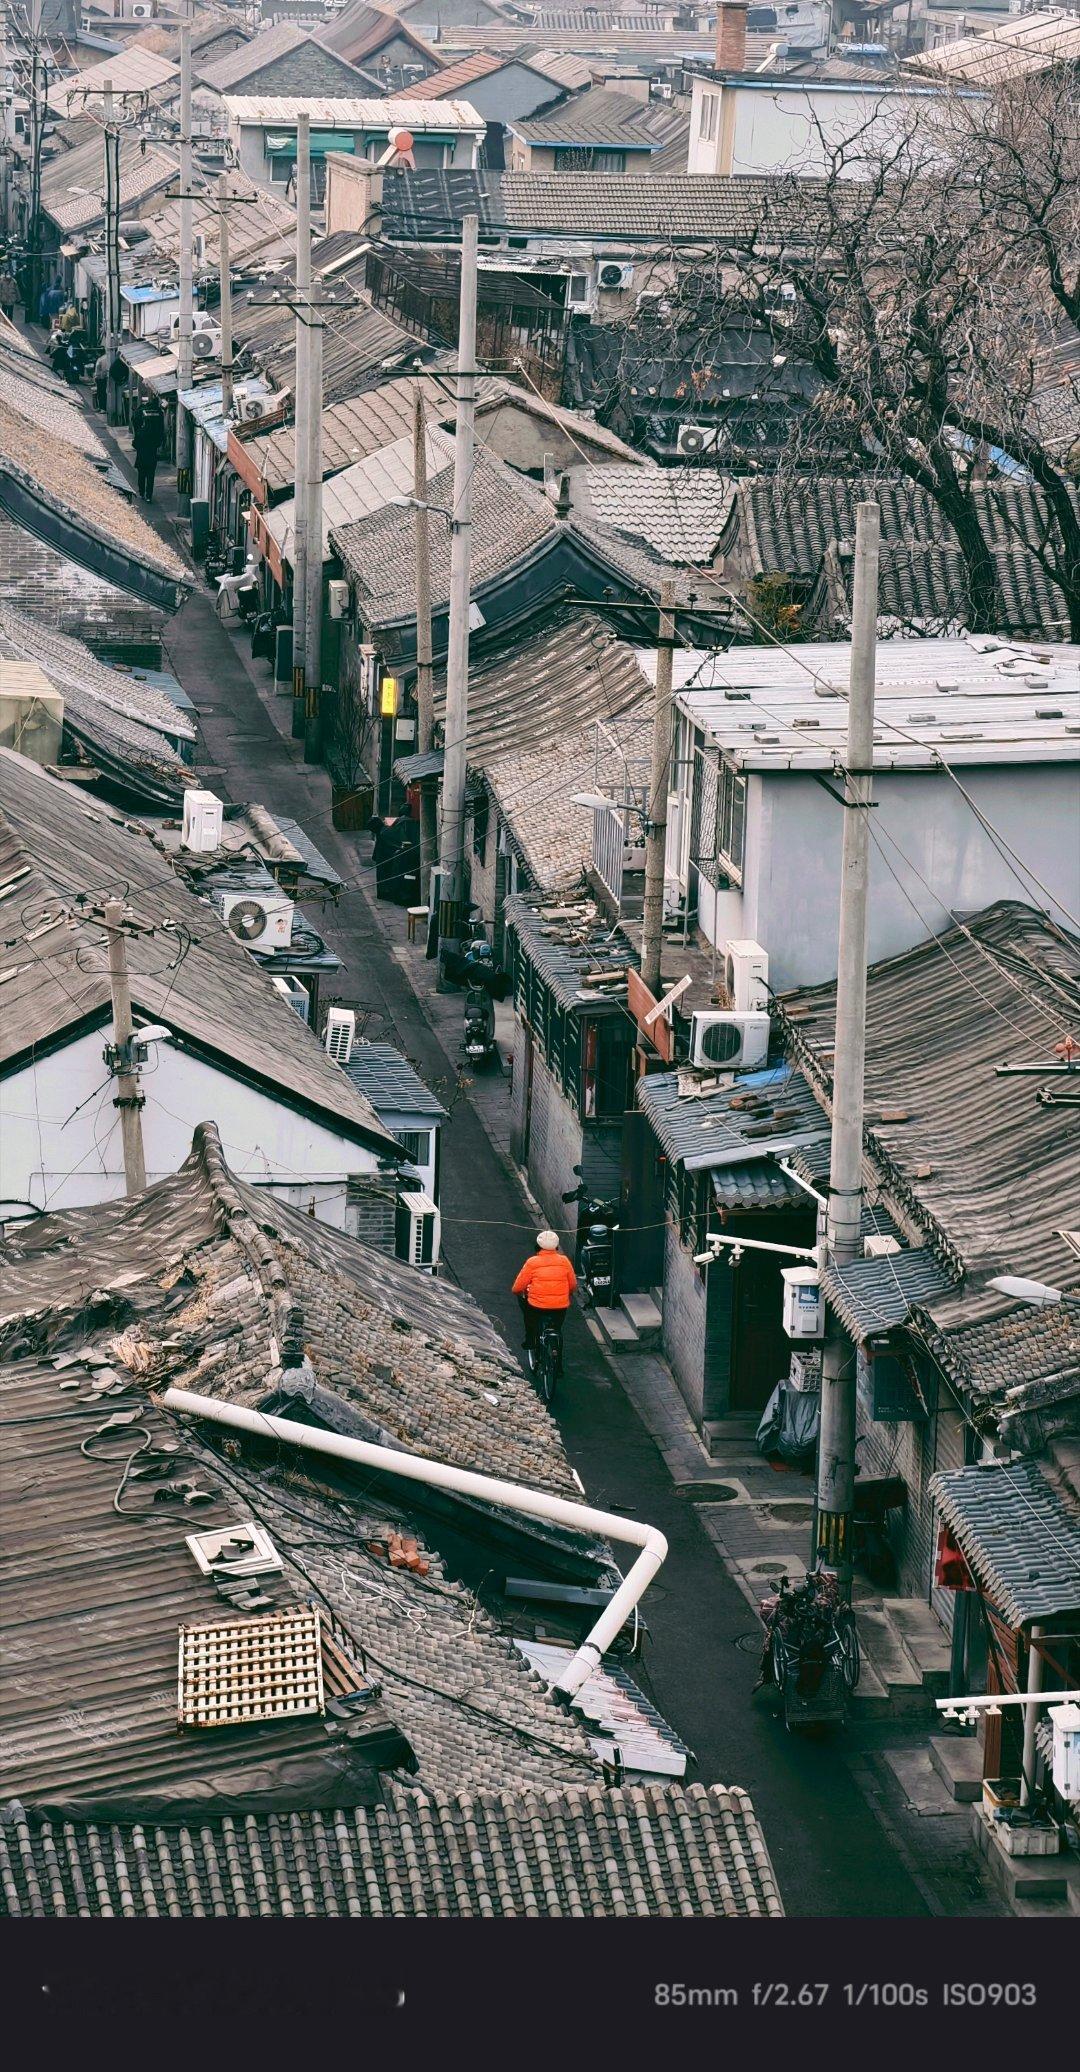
(929, 297)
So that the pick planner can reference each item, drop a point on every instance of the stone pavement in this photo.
(623, 1422)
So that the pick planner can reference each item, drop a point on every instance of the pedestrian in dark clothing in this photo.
(396, 857)
(101, 382)
(148, 434)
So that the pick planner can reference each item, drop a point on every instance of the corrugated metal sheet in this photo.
(620, 1721)
(390, 1083)
(345, 113)
(566, 952)
(1019, 1533)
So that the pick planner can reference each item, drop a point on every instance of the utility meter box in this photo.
(1065, 1721)
(804, 1304)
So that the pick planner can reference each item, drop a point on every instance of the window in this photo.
(717, 821)
(416, 1144)
(710, 104)
(608, 1060)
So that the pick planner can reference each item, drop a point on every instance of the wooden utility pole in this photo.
(836, 1443)
(425, 697)
(225, 295)
(452, 854)
(652, 925)
(128, 1098)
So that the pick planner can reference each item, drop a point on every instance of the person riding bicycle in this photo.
(543, 1288)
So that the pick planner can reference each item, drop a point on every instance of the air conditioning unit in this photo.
(729, 1042)
(417, 1231)
(339, 1034)
(296, 995)
(879, 1246)
(692, 439)
(201, 320)
(337, 598)
(143, 11)
(201, 830)
(261, 921)
(613, 275)
(206, 345)
(250, 408)
(746, 977)
(579, 291)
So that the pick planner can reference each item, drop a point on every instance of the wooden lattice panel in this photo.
(239, 1671)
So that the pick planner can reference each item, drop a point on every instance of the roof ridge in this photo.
(238, 1224)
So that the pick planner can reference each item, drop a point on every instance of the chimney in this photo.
(731, 36)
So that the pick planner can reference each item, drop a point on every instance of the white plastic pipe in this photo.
(437, 1474)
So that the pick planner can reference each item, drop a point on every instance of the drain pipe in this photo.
(436, 1474)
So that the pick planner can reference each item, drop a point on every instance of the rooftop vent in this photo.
(240, 1671)
(239, 1550)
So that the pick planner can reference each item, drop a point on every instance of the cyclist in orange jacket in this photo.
(544, 1287)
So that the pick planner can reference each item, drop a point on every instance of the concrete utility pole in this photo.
(452, 856)
(300, 418)
(313, 613)
(225, 295)
(128, 1098)
(185, 374)
(652, 925)
(112, 245)
(425, 698)
(836, 1443)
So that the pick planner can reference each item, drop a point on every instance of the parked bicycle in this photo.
(545, 1360)
(811, 1649)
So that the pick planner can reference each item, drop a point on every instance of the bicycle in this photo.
(545, 1362)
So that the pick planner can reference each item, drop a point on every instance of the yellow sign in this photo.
(389, 697)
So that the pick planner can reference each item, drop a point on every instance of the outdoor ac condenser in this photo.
(417, 1231)
(339, 1034)
(201, 831)
(731, 1042)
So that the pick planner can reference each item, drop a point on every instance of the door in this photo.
(639, 1243)
(761, 1352)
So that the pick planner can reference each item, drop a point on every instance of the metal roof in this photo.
(1007, 50)
(701, 1130)
(619, 1719)
(976, 700)
(1019, 1531)
(349, 113)
(410, 768)
(391, 1083)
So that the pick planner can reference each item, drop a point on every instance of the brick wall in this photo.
(370, 1213)
(307, 70)
(685, 1322)
(915, 1449)
(555, 1147)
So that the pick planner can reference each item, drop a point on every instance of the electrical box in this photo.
(337, 598)
(879, 1246)
(203, 813)
(1065, 1723)
(804, 1303)
(417, 1231)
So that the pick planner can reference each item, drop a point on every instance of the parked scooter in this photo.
(811, 1649)
(597, 1223)
(216, 559)
(479, 1039)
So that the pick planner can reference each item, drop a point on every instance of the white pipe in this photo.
(751, 1244)
(437, 1474)
(996, 1699)
(1031, 1716)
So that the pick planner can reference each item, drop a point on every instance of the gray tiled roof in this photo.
(215, 995)
(680, 513)
(645, 1850)
(874, 1295)
(566, 950)
(991, 1181)
(563, 667)
(598, 116)
(390, 1083)
(427, 205)
(756, 1184)
(510, 515)
(534, 788)
(1019, 1529)
(214, 1287)
(700, 1131)
(55, 591)
(93, 1599)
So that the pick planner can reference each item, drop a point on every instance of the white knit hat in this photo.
(547, 1240)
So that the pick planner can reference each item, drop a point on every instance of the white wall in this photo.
(773, 128)
(60, 1134)
(791, 865)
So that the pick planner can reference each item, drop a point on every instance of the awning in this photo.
(1019, 1532)
(409, 769)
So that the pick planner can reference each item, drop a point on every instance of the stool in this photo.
(414, 916)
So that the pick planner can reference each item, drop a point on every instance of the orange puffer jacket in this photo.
(547, 1280)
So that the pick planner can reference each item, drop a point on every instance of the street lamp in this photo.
(1035, 1293)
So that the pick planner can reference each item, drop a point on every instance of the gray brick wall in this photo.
(370, 1215)
(916, 1450)
(685, 1319)
(555, 1148)
(307, 70)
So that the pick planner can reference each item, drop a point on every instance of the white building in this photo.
(262, 131)
(235, 1054)
(755, 816)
